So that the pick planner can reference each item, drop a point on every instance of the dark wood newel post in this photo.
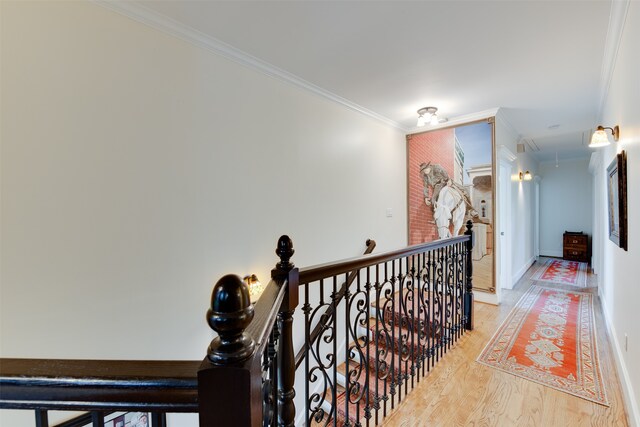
(228, 381)
(468, 295)
(286, 357)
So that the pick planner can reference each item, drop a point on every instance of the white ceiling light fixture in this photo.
(428, 114)
(600, 137)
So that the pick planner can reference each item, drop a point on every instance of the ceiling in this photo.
(539, 61)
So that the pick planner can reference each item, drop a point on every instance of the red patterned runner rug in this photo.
(549, 338)
(563, 272)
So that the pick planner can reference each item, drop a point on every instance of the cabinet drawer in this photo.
(575, 240)
(575, 248)
(575, 256)
(574, 253)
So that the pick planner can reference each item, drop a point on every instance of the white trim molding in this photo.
(506, 155)
(501, 116)
(551, 252)
(594, 162)
(633, 412)
(184, 32)
(523, 270)
(617, 18)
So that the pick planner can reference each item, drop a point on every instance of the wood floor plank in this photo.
(461, 392)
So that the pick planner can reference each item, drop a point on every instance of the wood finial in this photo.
(285, 251)
(230, 313)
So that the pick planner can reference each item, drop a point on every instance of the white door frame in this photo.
(505, 166)
(598, 200)
(536, 218)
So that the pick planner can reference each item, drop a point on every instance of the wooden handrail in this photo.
(90, 385)
(317, 272)
(250, 360)
(326, 316)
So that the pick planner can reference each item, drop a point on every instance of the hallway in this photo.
(462, 392)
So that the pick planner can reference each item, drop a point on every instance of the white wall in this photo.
(519, 226)
(565, 202)
(619, 288)
(138, 169)
(523, 200)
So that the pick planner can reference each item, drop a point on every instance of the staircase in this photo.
(368, 341)
(398, 317)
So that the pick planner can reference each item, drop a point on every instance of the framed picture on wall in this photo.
(617, 200)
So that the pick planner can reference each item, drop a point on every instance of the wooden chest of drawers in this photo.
(575, 247)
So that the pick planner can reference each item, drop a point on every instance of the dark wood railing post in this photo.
(468, 295)
(286, 357)
(228, 381)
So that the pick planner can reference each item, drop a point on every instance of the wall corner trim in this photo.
(501, 116)
(197, 38)
(594, 162)
(617, 18)
(506, 155)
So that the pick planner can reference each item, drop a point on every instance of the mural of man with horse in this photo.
(450, 200)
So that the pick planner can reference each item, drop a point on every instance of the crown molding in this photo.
(617, 18)
(197, 38)
(501, 116)
(506, 155)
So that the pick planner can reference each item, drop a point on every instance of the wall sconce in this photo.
(600, 138)
(255, 287)
(428, 114)
(483, 207)
(525, 176)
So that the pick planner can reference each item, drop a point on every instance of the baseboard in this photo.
(632, 410)
(551, 252)
(523, 270)
(485, 297)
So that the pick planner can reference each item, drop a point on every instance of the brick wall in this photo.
(437, 147)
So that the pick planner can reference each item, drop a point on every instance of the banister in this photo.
(405, 311)
(371, 244)
(247, 377)
(317, 272)
(89, 385)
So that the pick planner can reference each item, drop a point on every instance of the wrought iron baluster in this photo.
(347, 322)
(378, 288)
(398, 329)
(97, 419)
(306, 309)
(449, 283)
(367, 408)
(394, 370)
(42, 418)
(158, 419)
(334, 356)
(415, 344)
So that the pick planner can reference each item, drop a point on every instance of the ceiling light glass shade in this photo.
(421, 121)
(434, 119)
(599, 139)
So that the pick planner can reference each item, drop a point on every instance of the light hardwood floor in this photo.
(461, 392)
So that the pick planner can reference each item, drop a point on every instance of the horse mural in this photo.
(449, 208)
(449, 200)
